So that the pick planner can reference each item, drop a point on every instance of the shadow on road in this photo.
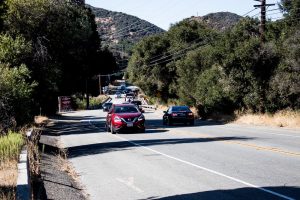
(99, 148)
(158, 123)
(240, 193)
(69, 125)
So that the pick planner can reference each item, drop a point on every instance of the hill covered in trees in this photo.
(120, 31)
(220, 20)
(196, 64)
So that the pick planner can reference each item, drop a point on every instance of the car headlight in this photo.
(141, 118)
(117, 119)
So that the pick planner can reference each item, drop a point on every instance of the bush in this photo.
(15, 96)
(94, 103)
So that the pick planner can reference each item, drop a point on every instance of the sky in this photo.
(163, 13)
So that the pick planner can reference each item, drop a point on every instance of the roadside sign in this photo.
(64, 104)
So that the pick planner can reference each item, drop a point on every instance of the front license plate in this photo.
(129, 124)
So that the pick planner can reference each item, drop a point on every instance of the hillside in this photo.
(120, 31)
(220, 20)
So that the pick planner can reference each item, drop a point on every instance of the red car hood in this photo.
(127, 115)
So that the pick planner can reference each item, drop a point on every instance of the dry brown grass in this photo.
(8, 180)
(40, 120)
(9, 174)
(66, 166)
(289, 119)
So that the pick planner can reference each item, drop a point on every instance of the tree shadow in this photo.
(99, 148)
(64, 118)
(158, 123)
(68, 125)
(240, 193)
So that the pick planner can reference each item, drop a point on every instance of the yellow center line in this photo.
(244, 144)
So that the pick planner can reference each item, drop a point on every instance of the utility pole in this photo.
(263, 11)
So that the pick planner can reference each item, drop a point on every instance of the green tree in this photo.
(285, 83)
(14, 51)
(66, 46)
(15, 96)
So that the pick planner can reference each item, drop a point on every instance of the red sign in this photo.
(64, 104)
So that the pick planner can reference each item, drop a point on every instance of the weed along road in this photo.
(204, 161)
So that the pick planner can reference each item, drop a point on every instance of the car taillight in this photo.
(117, 119)
(174, 114)
(191, 114)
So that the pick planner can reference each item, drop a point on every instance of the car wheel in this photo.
(107, 128)
(170, 123)
(112, 129)
(142, 131)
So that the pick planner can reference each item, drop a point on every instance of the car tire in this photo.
(107, 128)
(142, 131)
(192, 123)
(170, 123)
(112, 129)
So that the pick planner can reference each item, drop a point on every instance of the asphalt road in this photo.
(205, 161)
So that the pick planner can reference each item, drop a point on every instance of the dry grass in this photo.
(66, 166)
(8, 180)
(9, 174)
(289, 119)
(39, 120)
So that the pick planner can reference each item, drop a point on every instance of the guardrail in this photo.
(149, 106)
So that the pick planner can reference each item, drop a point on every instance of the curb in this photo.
(22, 181)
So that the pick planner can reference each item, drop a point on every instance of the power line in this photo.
(275, 13)
(163, 54)
(257, 14)
(248, 12)
(178, 56)
(182, 50)
(118, 36)
(178, 53)
(124, 28)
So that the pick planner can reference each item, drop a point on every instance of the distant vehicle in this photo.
(126, 91)
(129, 97)
(118, 94)
(107, 106)
(123, 117)
(123, 87)
(178, 114)
(138, 103)
(130, 94)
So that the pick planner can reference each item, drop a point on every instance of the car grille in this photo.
(132, 119)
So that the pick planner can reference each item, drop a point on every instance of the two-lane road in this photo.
(205, 161)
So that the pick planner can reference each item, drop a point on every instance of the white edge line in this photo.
(209, 170)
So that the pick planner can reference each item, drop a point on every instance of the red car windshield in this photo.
(126, 109)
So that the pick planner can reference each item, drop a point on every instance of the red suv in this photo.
(123, 117)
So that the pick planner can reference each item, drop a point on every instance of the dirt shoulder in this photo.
(58, 183)
(57, 174)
